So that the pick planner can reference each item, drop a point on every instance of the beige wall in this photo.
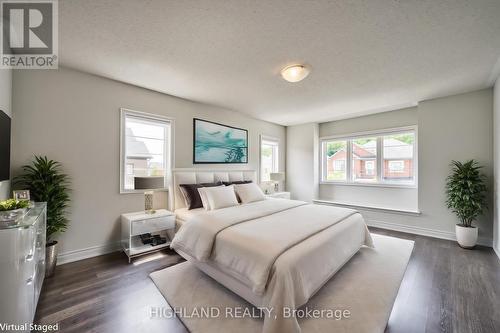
(399, 118)
(496, 145)
(74, 118)
(302, 161)
(451, 128)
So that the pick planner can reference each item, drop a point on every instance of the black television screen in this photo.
(4, 146)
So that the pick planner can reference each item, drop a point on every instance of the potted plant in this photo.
(47, 183)
(466, 197)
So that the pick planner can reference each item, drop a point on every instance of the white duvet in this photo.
(246, 241)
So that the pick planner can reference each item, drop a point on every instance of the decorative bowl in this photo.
(11, 217)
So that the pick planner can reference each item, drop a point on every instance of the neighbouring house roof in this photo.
(358, 151)
(393, 149)
(364, 152)
(136, 149)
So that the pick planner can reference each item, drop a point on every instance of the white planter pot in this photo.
(466, 237)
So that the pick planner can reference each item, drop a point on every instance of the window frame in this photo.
(379, 134)
(263, 138)
(168, 148)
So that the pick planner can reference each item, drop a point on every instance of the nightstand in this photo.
(282, 195)
(144, 233)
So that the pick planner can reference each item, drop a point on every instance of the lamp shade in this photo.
(277, 176)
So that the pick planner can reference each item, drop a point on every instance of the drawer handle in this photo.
(29, 281)
(29, 257)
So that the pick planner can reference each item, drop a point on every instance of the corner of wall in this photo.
(316, 162)
(302, 161)
(496, 167)
(4, 190)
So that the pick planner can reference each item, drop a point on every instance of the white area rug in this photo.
(366, 286)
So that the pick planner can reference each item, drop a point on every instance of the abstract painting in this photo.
(217, 143)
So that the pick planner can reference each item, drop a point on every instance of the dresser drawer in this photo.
(152, 225)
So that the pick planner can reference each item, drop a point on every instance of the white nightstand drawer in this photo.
(151, 225)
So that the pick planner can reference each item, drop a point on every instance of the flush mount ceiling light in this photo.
(295, 73)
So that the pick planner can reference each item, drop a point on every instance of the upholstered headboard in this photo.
(196, 176)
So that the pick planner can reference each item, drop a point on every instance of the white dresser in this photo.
(133, 225)
(22, 266)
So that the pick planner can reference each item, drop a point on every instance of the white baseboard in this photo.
(423, 231)
(497, 251)
(94, 251)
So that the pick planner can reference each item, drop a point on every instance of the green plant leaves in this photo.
(47, 184)
(466, 191)
(12, 204)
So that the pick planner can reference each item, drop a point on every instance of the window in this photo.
(269, 157)
(364, 159)
(396, 166)
(370, 168)
(398, 157)
(339, 165)
(129, 169)
(336, 153)
(380, 158)
(145, 151)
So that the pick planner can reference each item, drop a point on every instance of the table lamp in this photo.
(277, 177)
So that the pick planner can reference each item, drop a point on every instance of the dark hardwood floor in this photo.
(445, 289)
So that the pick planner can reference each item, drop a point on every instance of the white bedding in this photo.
(283, 250)
(183, 214)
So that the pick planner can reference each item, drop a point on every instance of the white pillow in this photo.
(203, 196)
(249, 192)
(220, 197)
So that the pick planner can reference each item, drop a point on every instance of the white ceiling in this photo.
(366, 56)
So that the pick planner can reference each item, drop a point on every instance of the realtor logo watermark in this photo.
(29, 34)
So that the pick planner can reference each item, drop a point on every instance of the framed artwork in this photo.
(218, 143)
(21, 195)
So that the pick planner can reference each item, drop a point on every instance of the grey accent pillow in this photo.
(237, 182)
(191, 195)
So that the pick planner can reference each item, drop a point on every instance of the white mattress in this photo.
(252, 271)
(336, 241)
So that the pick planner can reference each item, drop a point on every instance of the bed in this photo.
(276, 253)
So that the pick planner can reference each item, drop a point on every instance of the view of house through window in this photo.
(398, 157)
(378, 159)
(269, 156)
(336, 152)
(364, 159)
(145, 145)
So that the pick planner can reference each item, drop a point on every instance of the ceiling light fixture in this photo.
(295, 73)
